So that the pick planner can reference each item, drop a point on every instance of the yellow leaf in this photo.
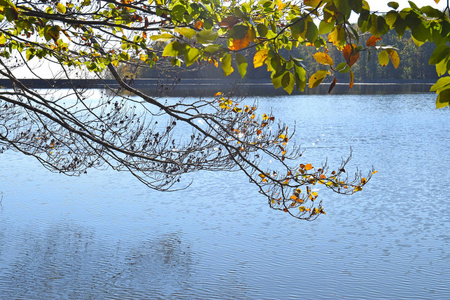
(437, 1)
(363, 180)
(280, 4)
(293, 197)
(143, 56)
(316, 79)
(337, 36)
(260, 57)
(383, 58)
(302, 208)
(374, 172)
(393, 55)
(311, 3)
(314, 194)
(323, 58)
(61, 8)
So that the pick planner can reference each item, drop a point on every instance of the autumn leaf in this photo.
(323, 58)
(239, 44)
(352, 80)
(371, 42)
(308, 167)
(316, 79)
(393, 55)
(312, 3)
(198, 25)
(260, 57)
(61, 8)
(229, 22)
(332, 85)
(350, 53)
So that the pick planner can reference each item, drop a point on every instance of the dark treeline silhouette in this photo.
(413, 64)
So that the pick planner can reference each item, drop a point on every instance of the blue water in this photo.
(106, 236)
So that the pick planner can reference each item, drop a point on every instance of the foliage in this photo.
(88, 38)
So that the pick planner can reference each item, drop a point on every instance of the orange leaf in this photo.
(371, 42)
(352, 80)
(239, 44)
(258, 132)
(308, 167)
(198, 25)
(350, 54)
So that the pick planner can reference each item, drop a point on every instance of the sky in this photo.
(377, 5)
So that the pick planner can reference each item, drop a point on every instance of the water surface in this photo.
(106, 236)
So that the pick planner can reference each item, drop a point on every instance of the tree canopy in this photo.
(69, 132)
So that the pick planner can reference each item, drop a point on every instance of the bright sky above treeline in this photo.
(382, 5)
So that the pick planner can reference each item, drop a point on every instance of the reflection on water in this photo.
(105, 236)
(67, 261)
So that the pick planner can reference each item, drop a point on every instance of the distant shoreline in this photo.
(208, 87)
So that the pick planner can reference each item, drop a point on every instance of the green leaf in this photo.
(390, 18)
(311, 32)
(242, 64)
(174, 49)
(226, 65)
(343, 68)
(212, 48)
(441, 68)
(393, 5)
(326, 27)
(297, 27)
(443, 99)
(400, 26)
(441, 52)
(441, 84)
(191, 56)
(288, 82)
(262, 30)
(432, 12)
(300, 77)
(177, 12)
(164, 37)
(185, 31)
(207, 37)
(413, 5)
(383, 58)
(276, 81)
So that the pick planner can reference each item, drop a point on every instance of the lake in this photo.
(104, 235)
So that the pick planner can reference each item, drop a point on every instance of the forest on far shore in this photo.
(413, 64)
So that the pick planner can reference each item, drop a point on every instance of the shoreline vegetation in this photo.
(195, 87)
